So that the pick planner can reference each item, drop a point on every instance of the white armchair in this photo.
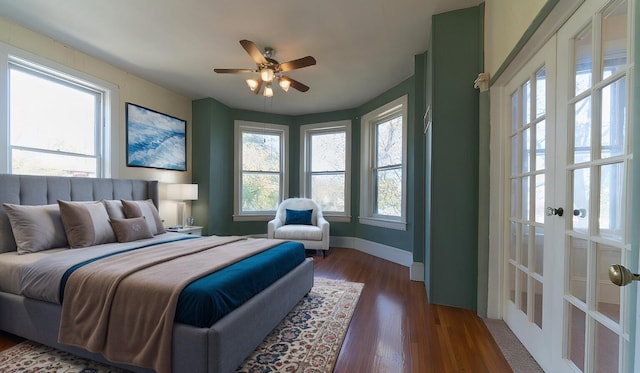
(313, 237)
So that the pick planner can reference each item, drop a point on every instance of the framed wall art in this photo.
(155, 140)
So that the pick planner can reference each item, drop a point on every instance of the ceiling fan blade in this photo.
(297, 85)
(232, 71)
(253, 51)
(297, 64)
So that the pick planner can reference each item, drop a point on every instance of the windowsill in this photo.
(337, 218)
(256, 217)
(384, 223)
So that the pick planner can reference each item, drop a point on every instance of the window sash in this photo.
(337, 205)
(392, 213)
(257, 201)
(67, 161)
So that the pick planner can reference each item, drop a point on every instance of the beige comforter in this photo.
(124, 306)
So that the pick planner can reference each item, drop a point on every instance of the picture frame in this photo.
(154, 139)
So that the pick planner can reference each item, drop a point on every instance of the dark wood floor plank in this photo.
(394, 329)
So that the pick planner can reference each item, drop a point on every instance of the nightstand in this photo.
(194, 230)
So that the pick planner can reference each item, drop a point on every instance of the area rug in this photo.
(308, 340)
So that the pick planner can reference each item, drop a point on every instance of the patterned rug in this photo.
(308, 340)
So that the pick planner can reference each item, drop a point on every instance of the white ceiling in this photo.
(362, 47)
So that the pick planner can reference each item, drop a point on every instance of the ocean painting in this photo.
(155, 140)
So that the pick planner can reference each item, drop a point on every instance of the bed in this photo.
(194, 347)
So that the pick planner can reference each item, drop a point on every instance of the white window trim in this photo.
(239, 126)
(367, 158)
(305, 182)
(109, 151)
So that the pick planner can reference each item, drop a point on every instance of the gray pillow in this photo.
(114, 208)
(36, 228)
(146, 209)
(86, 223)
(133, 229)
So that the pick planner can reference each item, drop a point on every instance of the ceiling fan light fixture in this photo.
(284, 84)
(267, 74)
(253, 84)
(268, 91)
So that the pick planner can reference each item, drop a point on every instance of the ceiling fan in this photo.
(270, 69)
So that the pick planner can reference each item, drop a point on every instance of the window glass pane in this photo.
(614, 39)
(328, 191)
(260, 192)
(539, 254)
(583, 64)
(524, 245)
(50, 114)
(541, 145)
(26, 162)
(607, 349)
(608, 294)
(576, 336)
(513, 237)
(582, 137)
(515, 190)
(526, 149)
(525, 198)
(389, 192)
(539, 204)
(514, 111)
(260, 152)
(512, 283)
(611, 196)
(537, 303)
(526, 102)
(578, 272)
(614, 118)
(515, 150)
(522, 291)
(328, 152)
(541, 92)
(581, 190)
(389, 142)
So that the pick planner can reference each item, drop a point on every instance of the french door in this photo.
(568, 180)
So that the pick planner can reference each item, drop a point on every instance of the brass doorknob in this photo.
(621, 275)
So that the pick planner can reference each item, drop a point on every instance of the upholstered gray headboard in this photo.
(43, 190)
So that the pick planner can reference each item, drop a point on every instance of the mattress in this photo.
(201, 303)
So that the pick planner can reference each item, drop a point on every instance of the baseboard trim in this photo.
(390, 253)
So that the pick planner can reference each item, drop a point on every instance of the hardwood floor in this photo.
(394, 329)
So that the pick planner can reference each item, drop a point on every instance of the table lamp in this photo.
(182, 193)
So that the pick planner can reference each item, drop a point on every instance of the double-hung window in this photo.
(325, 170)
(383, 171)
(261, 169)
(58, 120)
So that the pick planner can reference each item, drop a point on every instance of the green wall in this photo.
(442, 165)
(456, 49)
(213, 168)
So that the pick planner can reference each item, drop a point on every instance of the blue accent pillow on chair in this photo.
(302, 217)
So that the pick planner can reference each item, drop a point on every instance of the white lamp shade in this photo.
(182, 192)
(267, 75)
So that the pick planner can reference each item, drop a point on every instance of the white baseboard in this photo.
(390, 253)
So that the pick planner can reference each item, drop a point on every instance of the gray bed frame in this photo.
(218, 349)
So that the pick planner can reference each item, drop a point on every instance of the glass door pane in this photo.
(594, 338)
